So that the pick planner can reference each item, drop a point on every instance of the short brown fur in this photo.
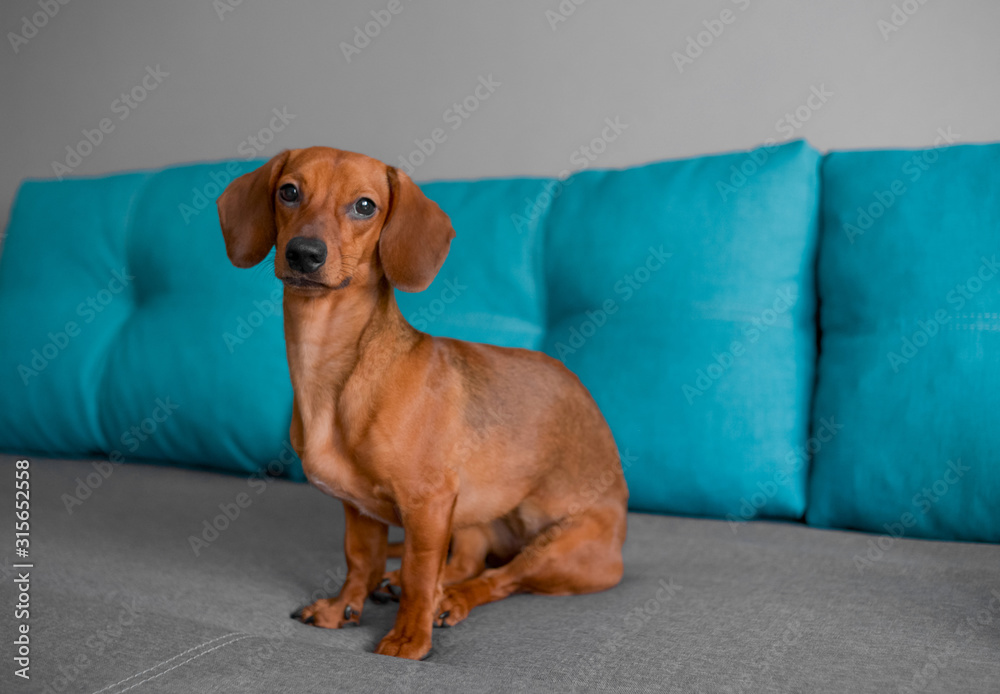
(493, 452)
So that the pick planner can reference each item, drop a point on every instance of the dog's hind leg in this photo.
(577, 554)
(469, 547)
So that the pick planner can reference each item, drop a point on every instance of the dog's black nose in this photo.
(305, 255)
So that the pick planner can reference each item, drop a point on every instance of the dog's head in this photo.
(337, 219)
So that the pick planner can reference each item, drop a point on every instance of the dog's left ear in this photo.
(246, 213)
(415, 237)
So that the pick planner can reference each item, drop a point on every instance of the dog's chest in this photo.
(335, 436)
(337, 476)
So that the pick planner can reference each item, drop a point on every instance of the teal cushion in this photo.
(65, 293)
(681, 293)
(129, 335)
(909, 287)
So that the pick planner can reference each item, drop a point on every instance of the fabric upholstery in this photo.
(682, 295)
(909, 282)
(705, 605)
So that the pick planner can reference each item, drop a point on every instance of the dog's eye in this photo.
(364, 207)
(288, 193)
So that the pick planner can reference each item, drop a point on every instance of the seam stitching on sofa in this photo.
(221, 645)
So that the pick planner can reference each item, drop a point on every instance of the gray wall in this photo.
(557, 86)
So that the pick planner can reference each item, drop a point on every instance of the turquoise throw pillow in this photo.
(681, 293)
(909, 284)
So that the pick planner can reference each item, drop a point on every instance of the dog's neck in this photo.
(343, 333)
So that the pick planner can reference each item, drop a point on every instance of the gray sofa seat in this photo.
(121, 602)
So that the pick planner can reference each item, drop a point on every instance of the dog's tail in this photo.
(395, 550)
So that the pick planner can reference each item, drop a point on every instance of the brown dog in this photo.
(499, 452)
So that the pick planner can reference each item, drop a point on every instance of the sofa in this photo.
(798, 354)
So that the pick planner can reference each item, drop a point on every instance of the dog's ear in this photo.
(415, 237)
(246, 213)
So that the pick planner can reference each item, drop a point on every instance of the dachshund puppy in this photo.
(489, 451)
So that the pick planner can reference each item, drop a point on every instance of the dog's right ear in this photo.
(246, 213)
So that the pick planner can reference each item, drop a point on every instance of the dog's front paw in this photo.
(333, 613)
(414, 646)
